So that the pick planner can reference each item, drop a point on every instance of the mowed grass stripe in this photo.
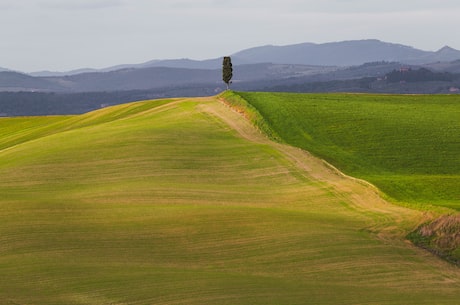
(171, 205)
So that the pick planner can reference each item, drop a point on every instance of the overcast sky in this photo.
(61, 35)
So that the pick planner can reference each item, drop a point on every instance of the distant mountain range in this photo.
(254, 68)
(341, 54)
(346, 53)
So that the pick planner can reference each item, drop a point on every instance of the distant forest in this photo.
(398, 81)
(39, 103)
(401, 81)
(420, 75)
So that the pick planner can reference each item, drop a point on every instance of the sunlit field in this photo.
(184, 202)
(406, 145)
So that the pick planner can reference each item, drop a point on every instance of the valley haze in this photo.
(347, 66)
(343, 53)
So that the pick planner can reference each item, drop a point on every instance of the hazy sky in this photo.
(62, 35)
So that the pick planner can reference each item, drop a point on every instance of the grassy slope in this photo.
(164, 203)
(406, 145)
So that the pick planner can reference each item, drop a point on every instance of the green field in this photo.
(408, 146)
(183, 202)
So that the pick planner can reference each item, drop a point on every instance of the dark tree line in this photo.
(36, 103)
(420, 75)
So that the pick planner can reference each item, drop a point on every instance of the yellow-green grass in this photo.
(408, 146)
(181, 202)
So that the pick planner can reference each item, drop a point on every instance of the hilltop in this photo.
(407, 145)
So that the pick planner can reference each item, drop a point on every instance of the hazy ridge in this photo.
(349, 66)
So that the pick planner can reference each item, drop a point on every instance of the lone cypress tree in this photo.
(227, 71)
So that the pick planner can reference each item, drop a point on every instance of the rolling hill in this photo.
(406, 145)
(183, 202)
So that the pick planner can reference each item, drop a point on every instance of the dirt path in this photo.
(392, 220)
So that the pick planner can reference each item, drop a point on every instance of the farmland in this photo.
(407, 145)
(183, 202)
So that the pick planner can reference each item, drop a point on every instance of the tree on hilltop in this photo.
(227, 71)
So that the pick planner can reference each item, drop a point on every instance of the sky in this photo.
(62, 35)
